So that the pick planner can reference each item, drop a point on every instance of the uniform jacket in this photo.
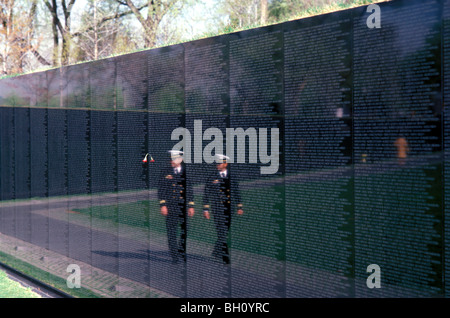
(219, 192)
(174, 190)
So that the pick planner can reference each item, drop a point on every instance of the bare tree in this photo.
(63, 28)
(242, 12)
(156, 11)
(17, 35)
(97, 38)
(94, 30)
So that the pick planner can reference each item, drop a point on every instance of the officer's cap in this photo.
(176, 154)
(222, 158)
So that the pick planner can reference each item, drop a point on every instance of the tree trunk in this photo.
(264, 12)
(150, 33)
(55, 58)
(157, 9)
(95, 32)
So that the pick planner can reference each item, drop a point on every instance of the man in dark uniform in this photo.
(176, 200)
(222, 196)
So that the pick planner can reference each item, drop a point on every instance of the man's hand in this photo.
(206, 214)
(240, 211)
(164, 210)
(191, 212)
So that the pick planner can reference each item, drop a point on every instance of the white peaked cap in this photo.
(222, 158)
(175, 154)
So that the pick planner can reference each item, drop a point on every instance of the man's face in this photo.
(221, 166)
(176, 162)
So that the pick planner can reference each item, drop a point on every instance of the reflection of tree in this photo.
(168, 98)
(54, 86)
(10, 100)
(420, 86)
(20, 91)
(9, 95)
(206, 78)
(102, 83)
(400, 81)
(196, 101)
(318, 69)
(398, 89)
(75, 86)
(131, 75)
(255, 79)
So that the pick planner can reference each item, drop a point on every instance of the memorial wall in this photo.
(338, 146)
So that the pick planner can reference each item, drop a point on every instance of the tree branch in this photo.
(55, 16)
(63, 4)
(72, 2)
(137, 13)
(106, 19)
(122, 3)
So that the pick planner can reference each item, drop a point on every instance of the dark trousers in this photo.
(174, 220)
(222, 220)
